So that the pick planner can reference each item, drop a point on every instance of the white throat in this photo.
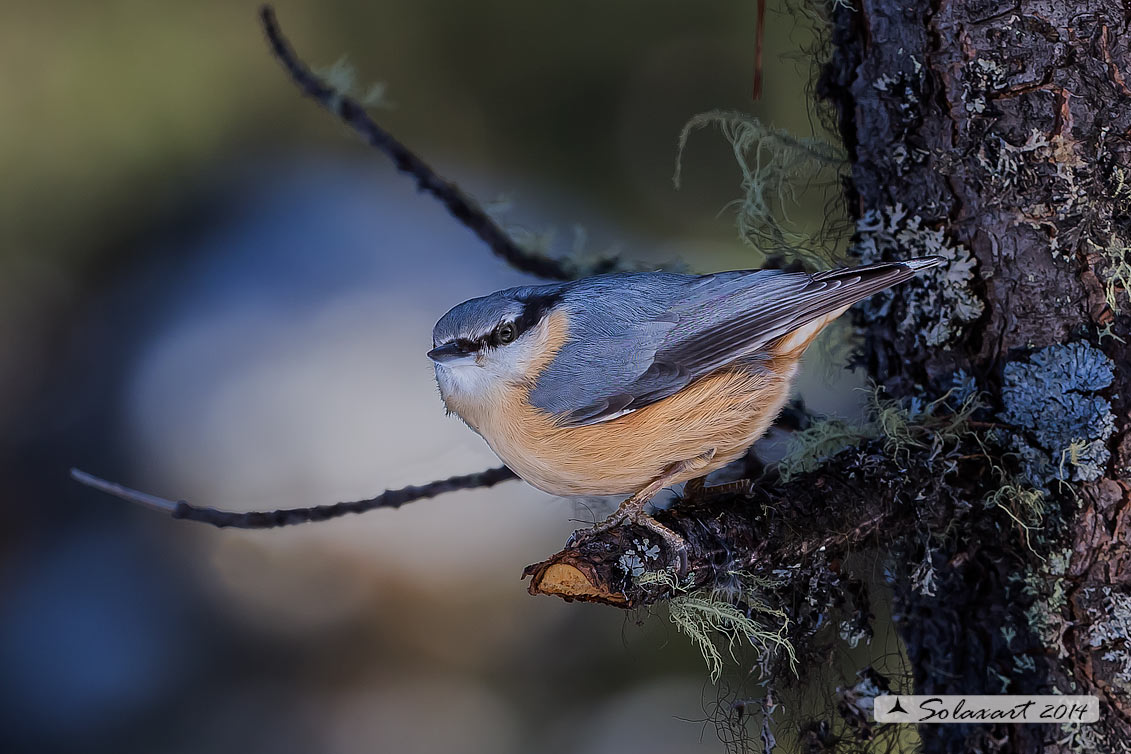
(463, 385)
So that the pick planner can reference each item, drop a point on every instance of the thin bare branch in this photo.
(291, 516)
(461, 206)
(164, 505)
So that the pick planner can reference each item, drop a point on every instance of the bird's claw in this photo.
(676, 544)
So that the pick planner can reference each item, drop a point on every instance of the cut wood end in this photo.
(569, 583)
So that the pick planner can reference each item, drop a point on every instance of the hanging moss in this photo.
(776, 166)
(735, 613)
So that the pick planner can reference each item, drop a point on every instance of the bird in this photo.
(628, 383)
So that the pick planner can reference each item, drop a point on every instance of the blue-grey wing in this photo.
(638, 338)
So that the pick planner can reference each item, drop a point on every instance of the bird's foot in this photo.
(631, 511)
(634, 515)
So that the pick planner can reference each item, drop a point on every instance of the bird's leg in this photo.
(632, 509)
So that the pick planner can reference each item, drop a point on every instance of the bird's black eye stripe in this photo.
(534, 308)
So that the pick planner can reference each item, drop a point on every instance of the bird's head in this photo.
(493, 342)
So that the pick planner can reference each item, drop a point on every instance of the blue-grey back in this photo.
(638, 338)
(618, 324)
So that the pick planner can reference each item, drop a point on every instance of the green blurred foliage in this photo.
(119, 113)
(115, 109)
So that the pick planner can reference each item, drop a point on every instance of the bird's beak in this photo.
(450, 354)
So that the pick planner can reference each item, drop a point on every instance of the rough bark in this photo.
(999, 132)
(1015, 121)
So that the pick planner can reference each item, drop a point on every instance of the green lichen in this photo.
(1115, 271)
(903, 424)
(1121, 189)
(1065, 426)
(933, 307)
(736, 613)
(1024, 504)
(775, 166)
(809, 448)
(936, 428)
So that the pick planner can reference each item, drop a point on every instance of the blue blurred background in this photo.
(210, 290)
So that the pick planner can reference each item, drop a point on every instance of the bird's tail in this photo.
(840, 289)
(876, 277)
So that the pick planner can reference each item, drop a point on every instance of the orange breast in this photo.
(723, 412)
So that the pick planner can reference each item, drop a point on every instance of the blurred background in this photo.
(210, 290)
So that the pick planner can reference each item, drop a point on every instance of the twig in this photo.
(290, 516)
(461, 206)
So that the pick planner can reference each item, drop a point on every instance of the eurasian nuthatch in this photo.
(629, 383)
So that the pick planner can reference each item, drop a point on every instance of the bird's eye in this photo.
(507, 332)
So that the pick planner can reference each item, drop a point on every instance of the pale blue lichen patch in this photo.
(1111, 633)
(962, 387)
(1115, 272)
(1048, 589)
(935, 306)
(1066, 426)
(636, 560)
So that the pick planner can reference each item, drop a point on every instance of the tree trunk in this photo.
(1007, 125)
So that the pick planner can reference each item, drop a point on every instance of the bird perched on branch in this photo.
(629, 383)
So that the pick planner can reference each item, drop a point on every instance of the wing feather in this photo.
(637, 339)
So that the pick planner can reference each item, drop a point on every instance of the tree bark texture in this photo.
(997, 134)
(1008, 124)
